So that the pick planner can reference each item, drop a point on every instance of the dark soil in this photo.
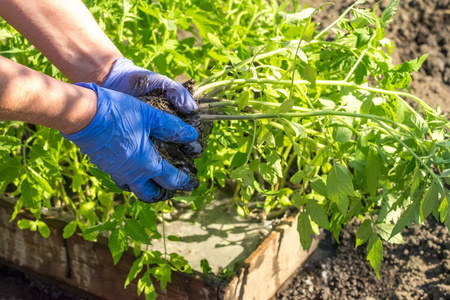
(419, 269)
(180, 155)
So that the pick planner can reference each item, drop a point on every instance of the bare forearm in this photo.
(29, 96)
(66, 33)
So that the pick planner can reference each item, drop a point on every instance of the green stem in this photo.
(356, 65)
(222, 83)
(335, 22)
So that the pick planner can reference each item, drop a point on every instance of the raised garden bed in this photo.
(89, 266)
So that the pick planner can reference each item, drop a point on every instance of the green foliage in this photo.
(315, 121)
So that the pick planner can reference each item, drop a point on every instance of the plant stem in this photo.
(222, 83)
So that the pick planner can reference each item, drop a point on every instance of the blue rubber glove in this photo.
(130, 79)
(117, 142)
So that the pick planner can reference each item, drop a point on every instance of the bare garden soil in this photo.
(419, 269)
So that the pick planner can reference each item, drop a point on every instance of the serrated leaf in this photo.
(69, 229)
(134, 271)
(147, 217)
(134, 230)
(411, 214)
(7, 143)
(318, 213)
(389, 12)
(340, 186)
(430, 202)
(385, 231)
(304, 230)
(375, 253)
(163, 274)
(117, 243)
(364, 233)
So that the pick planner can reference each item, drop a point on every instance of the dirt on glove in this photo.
(180, 155)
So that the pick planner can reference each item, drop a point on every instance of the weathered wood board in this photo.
(89, 267)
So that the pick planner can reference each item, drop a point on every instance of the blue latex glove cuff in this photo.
(117, 142)
(128, 78)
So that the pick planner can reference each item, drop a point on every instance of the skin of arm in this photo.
(30, 96)
(70, 38)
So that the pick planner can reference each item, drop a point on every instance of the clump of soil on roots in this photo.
(180, 155)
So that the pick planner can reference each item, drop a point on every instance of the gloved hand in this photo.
(117, 141)
(128, 78)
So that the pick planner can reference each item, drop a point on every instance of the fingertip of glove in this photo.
(190, 133)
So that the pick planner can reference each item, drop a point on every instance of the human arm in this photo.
(112, 128)
(67, 34)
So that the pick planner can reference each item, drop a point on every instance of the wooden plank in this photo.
(271, 264)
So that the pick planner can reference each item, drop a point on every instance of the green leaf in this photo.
(147, 217)
(304, 230)
(105, 180)
(372, 173)
(319, 186)
(24, 224)
(292, 19)
(274, 161)
(43, 229)
(69, 229)
(134, 230)
(412, 65)
(364, 232)
(204, 264)
(145, 285)
(375, 253)
(243, 100)
(310, 73)
(318, 213)
(342, 134)
(286, 106)
(106, 226)
(180, 263)
(174, 238)
(385, 230)
(340, 186)
(215, 41)
(86, 207)
(239, 159)
(163, 274)
(7, 143)
(134, 271)
(309, 32)
(389, 12)
(430, 202)
(117, 244)
(412, 213)
(169, 23)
